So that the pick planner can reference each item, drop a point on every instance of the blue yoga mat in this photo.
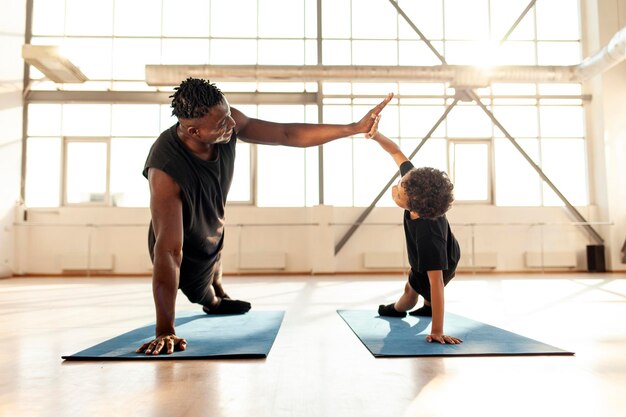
(391, 336)
(249, 335)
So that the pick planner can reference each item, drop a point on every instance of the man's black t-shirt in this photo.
(203, 186)
(430, 243)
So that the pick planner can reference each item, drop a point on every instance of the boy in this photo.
(425, 194)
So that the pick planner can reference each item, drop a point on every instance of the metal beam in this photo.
(592, 232)
(161, 97)
(416, 30)
(517, 22)
(171, 75)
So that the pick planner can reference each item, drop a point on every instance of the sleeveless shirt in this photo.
(204, 187)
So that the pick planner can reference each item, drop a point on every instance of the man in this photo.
(190, 169)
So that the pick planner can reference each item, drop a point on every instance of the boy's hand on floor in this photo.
(443, 339)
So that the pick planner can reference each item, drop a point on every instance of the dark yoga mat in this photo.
(249, 335)
(391, 336)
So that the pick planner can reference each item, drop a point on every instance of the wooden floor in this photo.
(317, 367)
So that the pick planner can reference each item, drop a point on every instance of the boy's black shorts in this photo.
(420, 283)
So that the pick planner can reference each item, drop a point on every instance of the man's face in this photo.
(215, 127)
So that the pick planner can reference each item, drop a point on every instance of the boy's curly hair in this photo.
(194, 97)
(429, 191)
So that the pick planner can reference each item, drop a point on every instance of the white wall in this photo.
(607, 131)
(305, 237)
(12, 19)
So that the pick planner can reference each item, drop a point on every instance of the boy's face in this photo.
(399, 195)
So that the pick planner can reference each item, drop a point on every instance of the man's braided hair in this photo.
(194, 97)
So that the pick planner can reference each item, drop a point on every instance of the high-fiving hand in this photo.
(369, 123)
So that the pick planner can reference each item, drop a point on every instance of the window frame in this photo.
(490, 171)
(66, 140)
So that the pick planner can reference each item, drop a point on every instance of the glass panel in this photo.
(280, 87)
(48, 17)
(560, 89)
(513, 89)
(167, 120)
(418, 53)
(416, 121)
(127, 13)
(196, 22)
(558, 19)
(43, 172)
(233, 52)
(185, 51)
(83, 158)
(470, 171)
(284, 186)
(431, 154)
(310, 53)
(336, 19)
(562, 121)
(336, 53)
(338, 174)
(89, 18)
(519, 121)
(337, 163)
(135, 120)
(426, 15)
(467, 19)
(516, 182)
(130, 65)
(288, 23)
(240, 189)
(515, 53)
(563, 161)
(94, 56)
(558, 53)
(373, 167)
(374, 19)
(129, 188)
(281, 52)
(468, 121)
(310, 15)
(234, 18)
(375, 53)
(480, 53)
(337, 114)
(44, 119)
(312, 180)
(505, 13)
(86, 120)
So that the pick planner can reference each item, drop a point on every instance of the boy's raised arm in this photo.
(391, 147)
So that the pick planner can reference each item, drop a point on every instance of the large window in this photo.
(111, 140)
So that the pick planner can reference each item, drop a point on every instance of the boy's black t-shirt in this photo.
(430, 243)
(203, 186)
